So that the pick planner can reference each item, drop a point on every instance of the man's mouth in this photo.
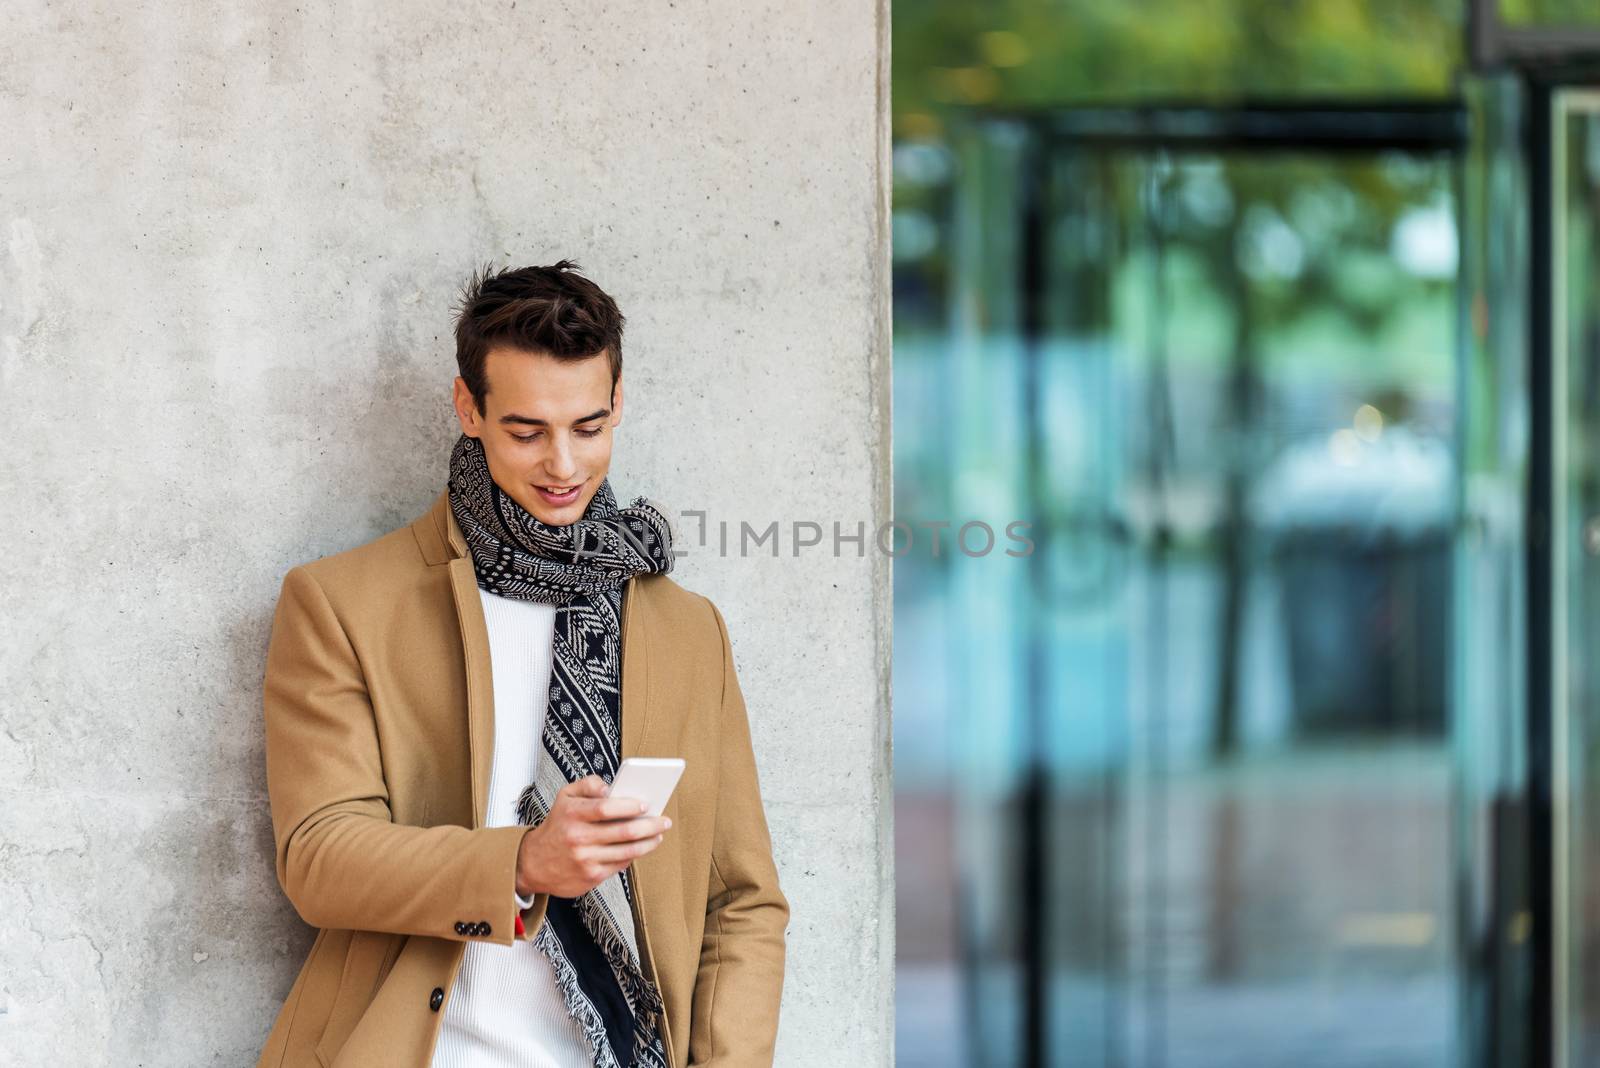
(558, 494)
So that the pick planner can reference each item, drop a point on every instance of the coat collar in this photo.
(440, 539)
(437, 533)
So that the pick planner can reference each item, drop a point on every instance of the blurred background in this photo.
(1279, 322)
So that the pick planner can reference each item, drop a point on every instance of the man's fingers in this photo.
(605, 808)
(583, 791)
(588, 786)
(620, 853)
(628, 830)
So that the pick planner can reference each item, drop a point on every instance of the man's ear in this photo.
(466, 408)
(616, 403)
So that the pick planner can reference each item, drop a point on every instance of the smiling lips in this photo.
(565, 497)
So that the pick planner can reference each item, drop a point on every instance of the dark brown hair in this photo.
(553, 310)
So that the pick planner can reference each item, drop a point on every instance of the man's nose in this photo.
(561, 465)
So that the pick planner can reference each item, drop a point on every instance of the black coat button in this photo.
(436, 998)
(461, 927)
(483, 927)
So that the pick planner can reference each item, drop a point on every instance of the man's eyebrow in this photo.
(528, 420)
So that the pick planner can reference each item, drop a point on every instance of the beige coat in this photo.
(379, 713)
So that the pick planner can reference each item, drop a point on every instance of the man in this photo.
(445, 708)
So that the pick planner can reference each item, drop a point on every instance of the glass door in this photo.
(1207, 752)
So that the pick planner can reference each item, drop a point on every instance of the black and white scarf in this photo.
(579, 568)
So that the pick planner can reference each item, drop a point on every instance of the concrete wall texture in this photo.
(231, 239)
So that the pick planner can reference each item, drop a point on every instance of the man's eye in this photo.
(537, 434)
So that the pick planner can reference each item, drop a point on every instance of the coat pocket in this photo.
(367, 962)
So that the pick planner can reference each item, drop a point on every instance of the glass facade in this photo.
(1274, 738)
(1238, 402)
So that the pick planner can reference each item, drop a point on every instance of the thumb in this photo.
(591, 786)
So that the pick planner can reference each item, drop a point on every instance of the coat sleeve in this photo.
(734, 1014)
(341, 859)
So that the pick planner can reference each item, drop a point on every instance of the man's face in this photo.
(546, 424)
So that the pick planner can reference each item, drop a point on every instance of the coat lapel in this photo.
(480, 682)
(635, 692)
(479, 672)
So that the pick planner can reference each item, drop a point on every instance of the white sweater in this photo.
(505, 1010)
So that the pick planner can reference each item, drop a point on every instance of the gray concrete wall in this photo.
(229, 240)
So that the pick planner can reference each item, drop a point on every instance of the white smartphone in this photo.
(647, 779)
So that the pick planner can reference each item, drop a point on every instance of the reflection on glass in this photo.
(1188, 763)
(1281, 329)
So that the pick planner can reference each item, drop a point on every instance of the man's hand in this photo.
(586, 839)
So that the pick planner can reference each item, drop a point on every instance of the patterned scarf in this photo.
(579, 568)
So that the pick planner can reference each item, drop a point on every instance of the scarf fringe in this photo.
(617, 953)
(648, 1049)
(579, 1007)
